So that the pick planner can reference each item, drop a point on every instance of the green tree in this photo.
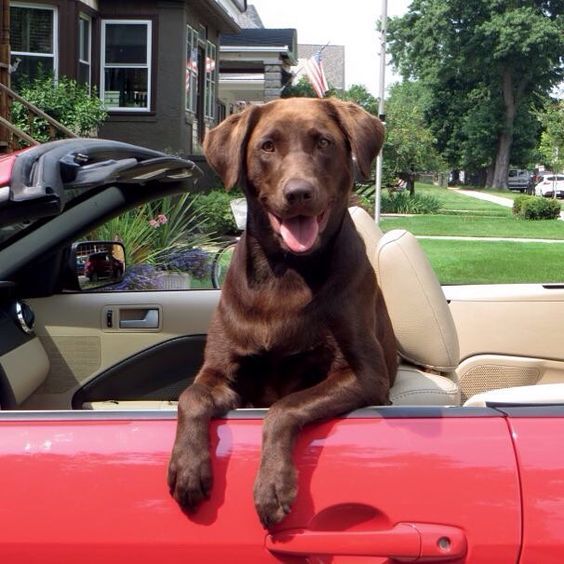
(552, 139)
(410, 146)
(502, 52)
(358, 94)
(302, 89)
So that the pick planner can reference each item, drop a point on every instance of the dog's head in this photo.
(294, 158)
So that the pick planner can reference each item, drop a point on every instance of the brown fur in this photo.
(306, 333)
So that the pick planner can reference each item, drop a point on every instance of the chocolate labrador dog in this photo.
(301, 325)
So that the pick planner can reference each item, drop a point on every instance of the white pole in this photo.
(381, 92)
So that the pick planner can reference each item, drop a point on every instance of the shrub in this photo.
(535, 207)
(67, 101)
(196, 262)
(403, 202)
(153, 231)
(518, 202)
(215, 211)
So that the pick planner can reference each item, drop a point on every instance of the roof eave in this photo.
(259, 52)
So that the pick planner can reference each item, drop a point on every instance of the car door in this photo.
(509, 335)
(84, 336)
(61, 192)
(537, 433)
(381, 485)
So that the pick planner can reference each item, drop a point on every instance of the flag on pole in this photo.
(314, 70)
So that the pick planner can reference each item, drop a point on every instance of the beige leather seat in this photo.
(424, 327)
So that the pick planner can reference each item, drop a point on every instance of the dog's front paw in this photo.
(189, 477)
(275, 491)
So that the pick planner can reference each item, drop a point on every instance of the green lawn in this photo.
(475, 226)
(453, 202)
(497, 262)
(484, 262)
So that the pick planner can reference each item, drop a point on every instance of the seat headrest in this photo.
(420, 315)
(368, 230)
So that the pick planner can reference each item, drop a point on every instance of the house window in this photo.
(211, 82)
(84, 50)
(191, 69)
(33, 33)
(126, 65)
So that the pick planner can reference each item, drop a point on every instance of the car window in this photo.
(166, 245)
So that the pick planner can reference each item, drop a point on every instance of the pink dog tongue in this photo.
(299, 232)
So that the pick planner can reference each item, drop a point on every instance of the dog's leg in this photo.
(342, 391)
(189, 472)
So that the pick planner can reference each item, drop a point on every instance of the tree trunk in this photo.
(511, 99)
(489, 176)
(411, 184)
(502, 158)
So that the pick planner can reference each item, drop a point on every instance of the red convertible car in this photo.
(466, 465)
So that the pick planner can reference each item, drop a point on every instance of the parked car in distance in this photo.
(102, 265)
(519, 179)
(551, 185)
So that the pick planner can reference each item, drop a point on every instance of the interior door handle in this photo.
(150, 320)
(405, 542)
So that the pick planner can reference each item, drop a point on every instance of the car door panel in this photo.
(92, 486)
(509, 335)
(538, 445)
(75, 334)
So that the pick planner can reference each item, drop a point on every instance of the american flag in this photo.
(191, 66)
(314, 71)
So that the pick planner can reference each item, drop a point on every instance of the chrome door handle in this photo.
(149, 321)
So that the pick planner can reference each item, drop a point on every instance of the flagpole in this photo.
(381, 92)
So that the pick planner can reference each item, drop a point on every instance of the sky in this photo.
(351, 23)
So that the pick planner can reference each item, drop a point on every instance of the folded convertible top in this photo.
(36, 182)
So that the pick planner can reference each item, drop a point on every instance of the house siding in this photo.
(167, 125)
(163, 128)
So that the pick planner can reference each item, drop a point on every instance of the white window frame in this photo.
(88, 19)
(55, 54)
(190, 94)
(148, 66)
(210, 82)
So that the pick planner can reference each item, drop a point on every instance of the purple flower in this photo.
(139, 277)
(196, 262)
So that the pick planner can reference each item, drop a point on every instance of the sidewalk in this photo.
(493, 198)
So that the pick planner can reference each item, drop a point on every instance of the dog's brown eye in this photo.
(323, 143)
(268, 147)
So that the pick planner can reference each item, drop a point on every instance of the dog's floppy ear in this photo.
(224, 145)
(365, 132)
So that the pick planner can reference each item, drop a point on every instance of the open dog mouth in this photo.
(299, 233)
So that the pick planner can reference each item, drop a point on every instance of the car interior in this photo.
(63, 348)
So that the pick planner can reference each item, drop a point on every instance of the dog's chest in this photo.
(280, 318)
(264, 378)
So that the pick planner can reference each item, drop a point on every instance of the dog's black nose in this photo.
(298, 191)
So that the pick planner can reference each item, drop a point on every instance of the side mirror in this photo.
(98, 263)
